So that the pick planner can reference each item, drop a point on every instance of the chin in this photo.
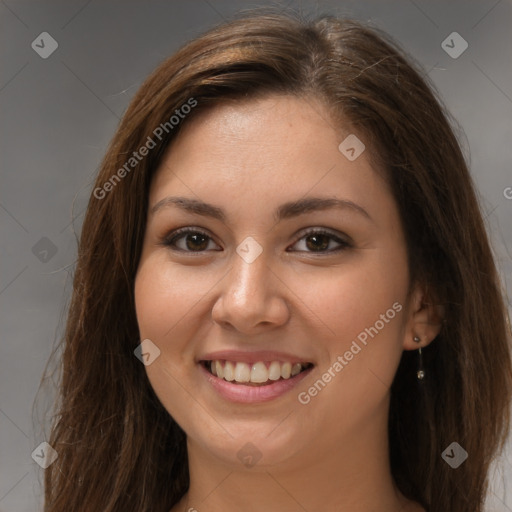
(254, 447)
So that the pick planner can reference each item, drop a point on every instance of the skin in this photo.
(248, 158)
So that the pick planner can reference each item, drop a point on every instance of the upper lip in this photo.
(252, 357)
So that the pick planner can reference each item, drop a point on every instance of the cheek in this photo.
(360, 309)
(164, 301)
(165, 296)
(349, 299)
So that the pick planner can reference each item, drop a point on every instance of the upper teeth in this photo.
(257, 372)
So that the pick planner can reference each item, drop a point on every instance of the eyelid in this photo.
(343, 240)
(168, 240)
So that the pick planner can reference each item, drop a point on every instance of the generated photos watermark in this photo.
(249, 249)
(44, 454)
(361, 341)
(454, 455)
(249, 455)
(146, 352)
(143, 151)
(351, 147)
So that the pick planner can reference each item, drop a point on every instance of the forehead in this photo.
(275, 148)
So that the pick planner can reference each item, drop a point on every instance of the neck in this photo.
(352, 475)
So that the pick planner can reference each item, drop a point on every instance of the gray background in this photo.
(58, 114)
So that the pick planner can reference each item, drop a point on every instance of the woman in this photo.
(285, 297)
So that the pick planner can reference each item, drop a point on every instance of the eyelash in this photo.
(170, 240)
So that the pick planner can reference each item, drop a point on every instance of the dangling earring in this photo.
(421, 372)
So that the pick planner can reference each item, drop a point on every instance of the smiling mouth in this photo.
(261, 373)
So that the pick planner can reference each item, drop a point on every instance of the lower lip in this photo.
(240, 393)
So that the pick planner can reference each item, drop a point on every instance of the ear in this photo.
(424, 320)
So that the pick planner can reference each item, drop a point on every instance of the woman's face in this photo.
(291, 258)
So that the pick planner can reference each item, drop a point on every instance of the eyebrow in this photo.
(285, 211)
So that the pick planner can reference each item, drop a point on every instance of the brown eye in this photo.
(320, 241)
(317, 242)
(196, 242)
(188, 240)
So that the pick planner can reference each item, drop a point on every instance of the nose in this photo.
(252, 298)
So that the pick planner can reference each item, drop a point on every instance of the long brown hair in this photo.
(118, 447)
